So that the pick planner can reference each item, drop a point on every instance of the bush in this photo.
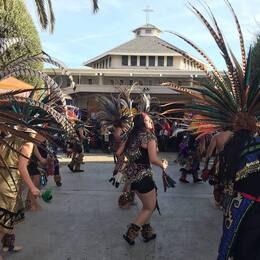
(18, 23)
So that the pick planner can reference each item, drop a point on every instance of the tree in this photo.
(255, 76)
(15, 21)
(47, 18)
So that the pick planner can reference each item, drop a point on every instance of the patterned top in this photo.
(139, 165)
(247, 175)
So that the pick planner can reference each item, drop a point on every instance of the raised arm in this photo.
(120, 149)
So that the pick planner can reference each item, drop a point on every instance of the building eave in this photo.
(128, 72)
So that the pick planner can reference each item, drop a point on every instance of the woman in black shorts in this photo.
(141, 150)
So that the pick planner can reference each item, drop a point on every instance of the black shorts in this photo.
(33, 170)
(143, 186)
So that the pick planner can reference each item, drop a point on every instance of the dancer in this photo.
(239, 174)
(117, 113)
(77, 149)
(232, 101)
(15, 153)
(141, 150)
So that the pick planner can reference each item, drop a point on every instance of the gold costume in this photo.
(11, 204)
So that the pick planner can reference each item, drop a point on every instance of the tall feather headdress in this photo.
(227, 98)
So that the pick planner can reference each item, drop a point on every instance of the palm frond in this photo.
(95, 5)
(51, 16)
(41, 11)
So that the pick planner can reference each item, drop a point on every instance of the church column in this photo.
(100, 79)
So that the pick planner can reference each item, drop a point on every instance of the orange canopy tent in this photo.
(12, 83)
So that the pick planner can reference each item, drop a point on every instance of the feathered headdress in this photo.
(227, 99)
(43, 105)
(117, 111)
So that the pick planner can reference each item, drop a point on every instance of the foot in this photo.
(184, 181)
(15, 249)
(152, 237)
(128, 240)
(78, 170)
(197, 180)
(58, 184)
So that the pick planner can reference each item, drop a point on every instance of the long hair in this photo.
(230, 156)
(139, 126)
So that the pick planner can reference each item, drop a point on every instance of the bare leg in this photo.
(149, 203)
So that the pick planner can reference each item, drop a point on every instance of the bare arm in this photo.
(120, 149)
(81, 134)
(26, 150)
(152, 152)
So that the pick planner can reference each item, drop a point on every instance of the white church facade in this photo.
(146, 59)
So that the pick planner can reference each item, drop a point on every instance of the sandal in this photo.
(13, 249)
(8, 244)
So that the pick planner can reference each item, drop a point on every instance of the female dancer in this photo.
(141, 150)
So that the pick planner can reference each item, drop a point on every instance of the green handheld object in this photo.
(47, 195)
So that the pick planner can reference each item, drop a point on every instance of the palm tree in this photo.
(47, 17)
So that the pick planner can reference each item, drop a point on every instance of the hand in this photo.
(116, 179)
(35, 192)
(164, 164)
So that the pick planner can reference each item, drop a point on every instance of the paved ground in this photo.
(83, 221)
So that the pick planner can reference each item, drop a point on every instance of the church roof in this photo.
(138, 46)
(147, 26)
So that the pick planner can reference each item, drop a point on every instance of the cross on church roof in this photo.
(147, 10)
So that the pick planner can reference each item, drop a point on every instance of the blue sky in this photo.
(81, 35)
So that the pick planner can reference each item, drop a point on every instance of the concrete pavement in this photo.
(83, 222)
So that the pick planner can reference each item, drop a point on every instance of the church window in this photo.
(133, 60)
(125, 60)
(160, 61)
(106, 62)
(169, 61)
(142, 60)
(151, 60)
(109, 62)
